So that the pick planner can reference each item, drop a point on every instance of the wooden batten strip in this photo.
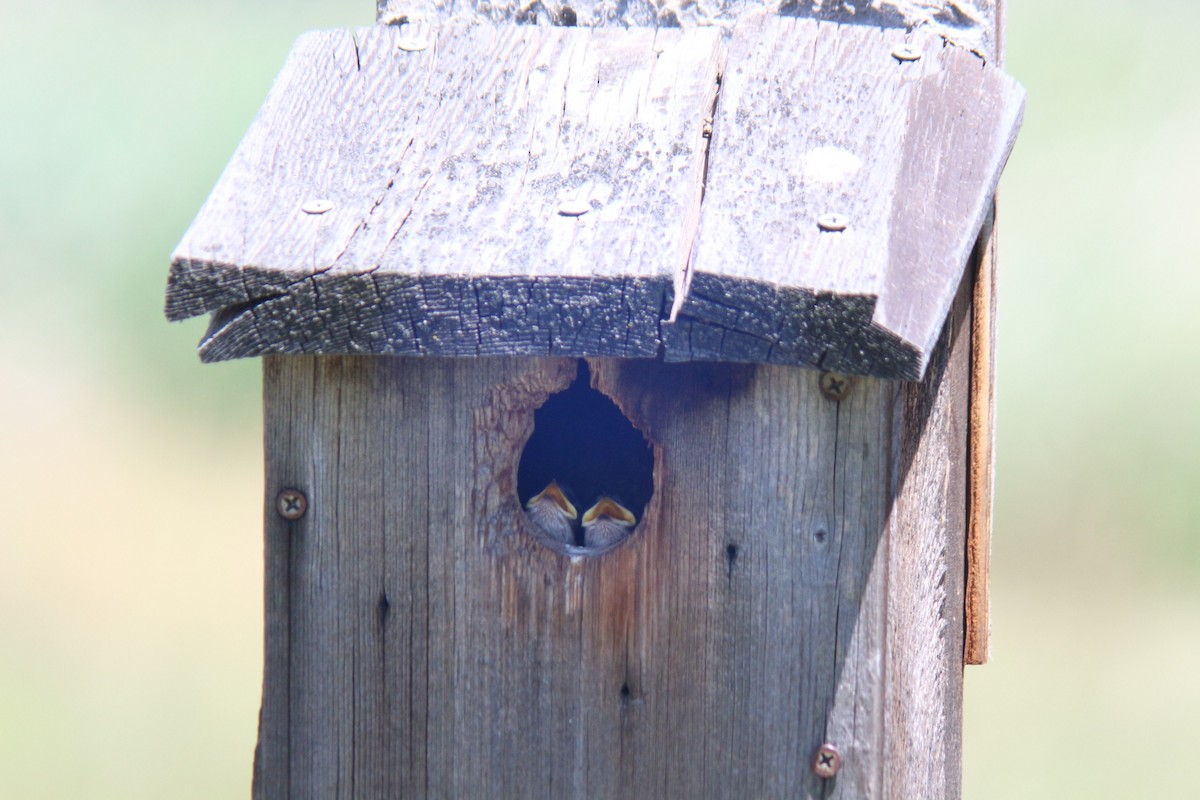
(981, 454)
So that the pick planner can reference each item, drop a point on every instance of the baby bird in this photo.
(606, 522)
(553, 513)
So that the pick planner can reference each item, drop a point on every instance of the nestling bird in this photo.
(553, 513)
(606, 522)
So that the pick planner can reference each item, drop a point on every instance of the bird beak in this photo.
(607, 507)
(554, 493)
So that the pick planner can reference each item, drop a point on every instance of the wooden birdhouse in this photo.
(627, 396)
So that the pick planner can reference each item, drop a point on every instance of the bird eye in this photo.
(588, 449)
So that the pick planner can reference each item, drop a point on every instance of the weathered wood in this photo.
(799, 575)
(981, 481)
(796, 579)
(454, 224)
(503, 190)
(926, 561)
(981, 464)
(865, 136)
(968, 23)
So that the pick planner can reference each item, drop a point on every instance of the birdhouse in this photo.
(626, 393)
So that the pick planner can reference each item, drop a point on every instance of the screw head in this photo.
(907, 52)
(833, 222)
(827, 761)
(291, 504)
(835, 385)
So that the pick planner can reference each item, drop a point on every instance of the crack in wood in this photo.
(357, 56)
(683, 280)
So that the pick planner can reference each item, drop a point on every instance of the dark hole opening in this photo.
(382, 608)
(583, 442)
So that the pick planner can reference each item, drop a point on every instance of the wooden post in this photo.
(809, 573)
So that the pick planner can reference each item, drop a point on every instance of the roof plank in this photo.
(533, 190)
(905, 153)
(491, 154)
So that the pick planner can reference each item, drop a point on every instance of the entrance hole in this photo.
(582, 442)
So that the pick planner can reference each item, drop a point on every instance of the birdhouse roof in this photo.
(778, 190)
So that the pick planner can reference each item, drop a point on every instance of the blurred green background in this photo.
(130, 477)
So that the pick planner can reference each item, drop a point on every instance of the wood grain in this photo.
(867, 137)
(454, 175)
(968, 23)
(981, 475)
(924, 639)
(796, 579)
(981, 465)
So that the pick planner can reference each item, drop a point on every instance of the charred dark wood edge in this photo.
(751, 321)
(468, 317)
(393, 314)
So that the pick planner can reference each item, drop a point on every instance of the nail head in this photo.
(316, 206)
(574, 208)
(832, 222)
(412, 45)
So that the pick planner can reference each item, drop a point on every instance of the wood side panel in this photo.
(981, 465)
(779, 483)
(926, 565)
(420, 643)
(282, 410)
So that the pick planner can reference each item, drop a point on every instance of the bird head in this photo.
(554, 493)
(608, 509)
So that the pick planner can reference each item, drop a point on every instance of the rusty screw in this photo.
(291, 504)
(835, 385)
(827, 762)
